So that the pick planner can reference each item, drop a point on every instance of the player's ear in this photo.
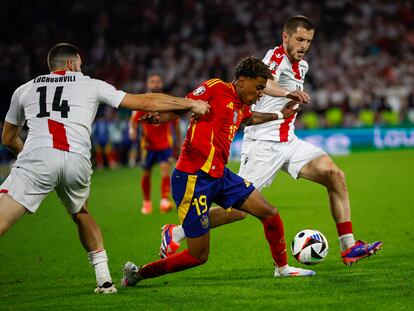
(285, 37)
(69, 64)
(242, 81)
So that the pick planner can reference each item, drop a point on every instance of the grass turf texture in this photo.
(43, 266)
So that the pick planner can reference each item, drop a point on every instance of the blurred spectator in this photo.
(361, 64)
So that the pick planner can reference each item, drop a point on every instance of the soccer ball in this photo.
(309, 247)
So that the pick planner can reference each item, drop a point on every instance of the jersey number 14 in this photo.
(57, 105)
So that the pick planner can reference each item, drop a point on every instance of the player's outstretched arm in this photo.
(287, 111)
(162, 102)
(274, 89)
(10, 137)
(156, 117)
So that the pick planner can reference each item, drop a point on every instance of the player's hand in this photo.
(151, 118)
(132, 133)
(300, 96)
(290, 109)
(199, 107)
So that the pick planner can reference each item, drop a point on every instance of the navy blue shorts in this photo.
(195, 193)
(152, 157)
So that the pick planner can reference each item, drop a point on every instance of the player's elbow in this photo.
(7, 139)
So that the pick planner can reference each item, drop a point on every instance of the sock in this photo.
(178, 234)
(146, 187)
(99, 260)
(99, 158)
(346, 236)
(165, 187)
(174, 263)
(275, 235)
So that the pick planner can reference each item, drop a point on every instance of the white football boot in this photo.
(288, 271)
(106, 288)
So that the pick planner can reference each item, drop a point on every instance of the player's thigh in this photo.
(260, 162)
(193, 195)
(33, 176)
(73, 190)
(148, 159)
(233, 191)
(258, 206)
(300, 153)
(10, 211)
(317, 169)
(165, 168)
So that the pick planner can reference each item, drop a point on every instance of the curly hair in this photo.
(252, 67)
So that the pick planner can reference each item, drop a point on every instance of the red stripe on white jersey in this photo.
(58, 131)
(284, 129)
(276, 58)
(59, 72)
(295, 68)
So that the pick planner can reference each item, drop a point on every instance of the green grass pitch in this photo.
(44, 267)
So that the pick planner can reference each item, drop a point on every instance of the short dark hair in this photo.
(294, 22)
(252, 67)
(59, 53)
(154, 73)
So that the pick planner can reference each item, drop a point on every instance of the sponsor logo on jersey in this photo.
(198, 91)
(235, 116)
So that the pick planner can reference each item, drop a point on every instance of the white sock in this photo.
(99, 260)
(178, 234)
(346, 241)
(282, 269)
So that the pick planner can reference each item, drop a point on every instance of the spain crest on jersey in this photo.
(204, 221)
(200, 90)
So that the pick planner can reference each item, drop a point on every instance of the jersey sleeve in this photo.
(273, 61)
(16, 115)
(247, 114)
(108, 94)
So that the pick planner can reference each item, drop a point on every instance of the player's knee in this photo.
(201, 255)
(237, 215)
(335, 176)
(203, 259)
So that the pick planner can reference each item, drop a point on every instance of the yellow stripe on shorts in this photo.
(188, 195)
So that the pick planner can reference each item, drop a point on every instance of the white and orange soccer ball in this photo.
(309, 247)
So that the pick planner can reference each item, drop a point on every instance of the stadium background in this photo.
(361, 61)
(361, 80)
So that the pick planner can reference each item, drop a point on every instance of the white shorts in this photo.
(37, 173)
(261, 160)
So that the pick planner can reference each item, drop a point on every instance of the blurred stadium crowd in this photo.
(361, 61)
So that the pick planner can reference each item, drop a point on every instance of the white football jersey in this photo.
(59, 109)
(290, 75)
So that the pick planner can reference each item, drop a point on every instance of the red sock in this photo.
(344, 228)
(146, 187)
(99, 159)
(275, 235)
(174, 263)
(165, 187)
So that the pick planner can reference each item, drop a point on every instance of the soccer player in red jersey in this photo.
(201, 178)
(156, 147)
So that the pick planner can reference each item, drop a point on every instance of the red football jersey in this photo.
(207, 143)
(155, 136)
